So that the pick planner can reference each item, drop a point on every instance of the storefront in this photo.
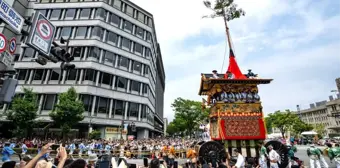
(112, 133)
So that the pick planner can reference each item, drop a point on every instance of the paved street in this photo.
(301, 153)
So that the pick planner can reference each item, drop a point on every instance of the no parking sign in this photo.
(12, 45)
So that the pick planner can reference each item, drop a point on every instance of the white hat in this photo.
(93, 157)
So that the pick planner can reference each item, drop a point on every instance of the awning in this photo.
(309, 133)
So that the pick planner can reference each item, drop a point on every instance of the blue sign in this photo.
(11, 17)
(12, 45)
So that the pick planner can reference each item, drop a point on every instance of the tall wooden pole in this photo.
(226, 29)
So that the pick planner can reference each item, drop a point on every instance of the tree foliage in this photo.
(299, 126)
(224, 8)
(94, 134)
(284, 121)
(320, 129)
(188, 115)
(23, 112)
(68, 111)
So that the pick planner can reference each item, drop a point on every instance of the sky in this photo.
(296, 43)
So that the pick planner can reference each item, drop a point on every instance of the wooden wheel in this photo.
(282, 150)
(211, 152)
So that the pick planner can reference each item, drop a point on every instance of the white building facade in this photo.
(116, 72)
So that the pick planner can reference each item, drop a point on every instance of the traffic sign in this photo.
(3, 43)
(6, 59)
(12, 45)
(11, 17)
(42, 34)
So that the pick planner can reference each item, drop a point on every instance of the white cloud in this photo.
(291, 67)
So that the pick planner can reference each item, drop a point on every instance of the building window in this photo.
(72, 74)
(103, 105)
(85, 13)
(133, 109)
(117, 4)
(49, 100)
(129, 10)
(55, 15)
(100, 14)
(70, 14)
(87, 100)
(110, 58)
(119, 107)
(22, 74)
(90, 75)
(123, 62)
(97, 33)
(140, 32)
(148, 36)
(56, 74)
(135, 86)
(94, 52)
(121, 83)
(128, 26)
(112, 38)
(106, 78)
(147, 52)
(145, 88)
(143, 115)
(150, 22)
(138, 48)
(29, 52)
(126, 44)
(81, 32)
(43, 12)
(137, 66)
(146, 70)
(38, 74)
(141, 17)
(66, 32)
(115, 20)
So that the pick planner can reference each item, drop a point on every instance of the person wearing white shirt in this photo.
(205, 135)
(274, 157)
(215, 74)
(240, 159)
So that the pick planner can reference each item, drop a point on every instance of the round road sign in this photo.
(3, 43)
(12, 45)
(44, 29)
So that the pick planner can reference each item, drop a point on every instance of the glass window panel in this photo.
(87, 100)
(115, 20)
(56, 74)
(129, 10)
(66, 32)
(140, 32)
(94, 52)
(22, 75)
(145, 88)
(141, 17)
(133, 109)
(85, 13)
(150, 22)
(117, 4)
(128, 26)
(90, 75)
(143, 115)
(126, 44)
(135, 86)
(106, 78)
(49, 101)
(110, 57)
(44, 12)
(146, 70)
(148, 36)
(138, 48)
(29, 52)
(123, 62)
(55, 14)
(38, 74)
(147, 52)
(72, 74)
(103, 105)
(70, 14)
(81, 32)
(137, 66)
(121, 82)
(120, 107)
(97, 33)
(112, 38)
(100, 14)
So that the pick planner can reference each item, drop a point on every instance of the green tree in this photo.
(23, 112)
(299, 126)
(268, 125)
(68, 111)
(172, 129)
(224, 8)
(95, 134)
(188, 115)
(282, 120)
(320, 129)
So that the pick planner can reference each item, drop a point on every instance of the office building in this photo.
(119, 74)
